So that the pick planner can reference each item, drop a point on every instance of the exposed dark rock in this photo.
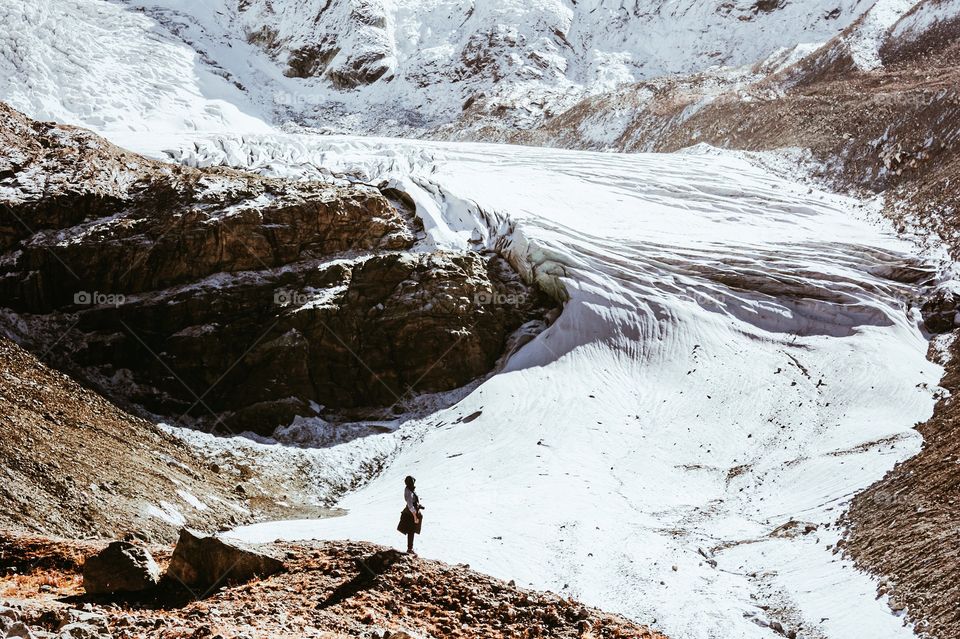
(234, 300)
(940, 311)
(336, 56)
(206, 562)
(120, 567)
(768, 6)
(360, 70)
(311, 60)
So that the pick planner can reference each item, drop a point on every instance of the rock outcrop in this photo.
(120, 567)
(231, 300)
(207, 562)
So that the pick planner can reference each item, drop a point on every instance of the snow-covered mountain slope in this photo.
(106, 67)
(925, 16)
(374, 66)
(428, 59)
(734, 361)
(929, 26)
(862, 42)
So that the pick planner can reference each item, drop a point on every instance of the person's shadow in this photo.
(369, 569)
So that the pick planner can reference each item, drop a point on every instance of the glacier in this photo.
(736, 357)
(738, 352)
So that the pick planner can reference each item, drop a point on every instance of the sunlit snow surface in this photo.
(100, 65)
(732, 356)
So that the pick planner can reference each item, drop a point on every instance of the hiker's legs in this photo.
(409, 542)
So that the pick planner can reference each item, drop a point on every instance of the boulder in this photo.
(71, 619)
(9, 614)
(18, 630)
(81, 624)
(120, 567)
(940, 311)
(83, 631)
(206, 561)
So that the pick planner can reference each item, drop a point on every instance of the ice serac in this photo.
(233, 299)
(104, 65)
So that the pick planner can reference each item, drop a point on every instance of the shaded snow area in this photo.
(733, 362)
(372, 66)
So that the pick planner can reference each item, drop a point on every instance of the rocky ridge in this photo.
(232, 301)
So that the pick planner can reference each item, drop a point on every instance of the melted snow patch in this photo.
(168, 513)
(191, 500)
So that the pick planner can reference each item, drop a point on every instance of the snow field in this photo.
(732, 357)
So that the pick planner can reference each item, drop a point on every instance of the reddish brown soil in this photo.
(330, 589)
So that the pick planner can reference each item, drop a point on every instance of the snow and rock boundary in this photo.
(721, 356)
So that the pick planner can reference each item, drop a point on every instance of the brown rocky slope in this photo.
(74, 464)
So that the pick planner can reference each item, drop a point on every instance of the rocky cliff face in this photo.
(231, 299)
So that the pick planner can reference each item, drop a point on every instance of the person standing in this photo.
(411, 516)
